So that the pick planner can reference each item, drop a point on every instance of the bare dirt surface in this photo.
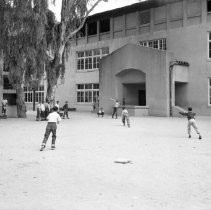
(166, 170)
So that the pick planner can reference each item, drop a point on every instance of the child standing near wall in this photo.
(116, 105)
(191, 121)
(53, 119)
(125, 117)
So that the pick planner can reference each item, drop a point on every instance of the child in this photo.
(116, 105)
(65, 107)
(125, 116)
(4, 106)
(191, 121)
(100, 112)
(52, 118)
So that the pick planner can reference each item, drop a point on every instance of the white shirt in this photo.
(54, 117)
(57, 105)
(124, 112)
(116, 104)
(42, 106)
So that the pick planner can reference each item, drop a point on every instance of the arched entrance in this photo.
(132, 86)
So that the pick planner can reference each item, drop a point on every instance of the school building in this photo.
(153, 56)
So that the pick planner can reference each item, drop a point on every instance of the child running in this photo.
(125, 117)
(191, 121)
(53, 119)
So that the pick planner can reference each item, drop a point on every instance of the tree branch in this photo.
(84, 20)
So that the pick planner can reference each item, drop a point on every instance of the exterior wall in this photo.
(184, 24)
(1, 79)
(151, 62)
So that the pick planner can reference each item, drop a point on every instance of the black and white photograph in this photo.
(105, 104)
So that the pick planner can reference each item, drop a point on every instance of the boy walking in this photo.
(191, 121)
(125, 117)
(53, 119)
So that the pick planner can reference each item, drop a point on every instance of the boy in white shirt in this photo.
(53, 119)
(125, 116)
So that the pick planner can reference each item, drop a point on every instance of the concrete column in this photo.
(184, 7)
(151, 20)
(167, 17)
(137, 22)
(111, 28)
(98, 30)
(203, 11)
(86, 31)
(124, 24)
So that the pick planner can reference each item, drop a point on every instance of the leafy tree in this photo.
(24, 44)
(73, 16)
(33, 42)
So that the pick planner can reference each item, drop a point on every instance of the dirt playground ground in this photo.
(168, 171)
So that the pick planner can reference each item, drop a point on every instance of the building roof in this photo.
(140, 6)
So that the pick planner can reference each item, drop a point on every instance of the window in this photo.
(92, 28)
(87, 93)
(82, 32)
(209, 45)
(104, 25)
(39, 94)
(208, 5)
(6, 83)
(144, 17)
(11, 98)
(90, 59)
(209, 91)
(156, 44)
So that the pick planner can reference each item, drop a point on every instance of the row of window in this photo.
(90, 59)
(29, 94)
(87, 93)
(156, 44)
(104, 24)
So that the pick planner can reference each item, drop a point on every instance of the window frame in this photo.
(87, 95)
(90, 62)
(39, 94)
(160, 43)
(209, 45)
(209, 92)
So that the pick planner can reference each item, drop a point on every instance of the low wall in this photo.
(11, 111)
(136, 111)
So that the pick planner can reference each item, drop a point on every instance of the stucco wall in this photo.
(151, 62)
(184, 24)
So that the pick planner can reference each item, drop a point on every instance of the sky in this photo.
(101, 7)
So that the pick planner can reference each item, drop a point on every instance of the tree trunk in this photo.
(21, 106)
(50, 95)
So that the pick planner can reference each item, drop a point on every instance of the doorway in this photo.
(142, 97)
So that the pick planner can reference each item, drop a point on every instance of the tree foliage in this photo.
(24, 44)
(73, 16)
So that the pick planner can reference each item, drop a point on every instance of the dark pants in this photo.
(38, 117)
(101, 113)
(4, 110)
(114, 112)
(46, 113)
(126, 118)
(65, 113)
(51, 127)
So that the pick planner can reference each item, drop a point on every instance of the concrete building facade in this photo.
(156, 54)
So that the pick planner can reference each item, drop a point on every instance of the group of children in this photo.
(43, 110)
(54, 118)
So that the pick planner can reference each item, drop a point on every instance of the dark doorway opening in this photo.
(142, 97)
